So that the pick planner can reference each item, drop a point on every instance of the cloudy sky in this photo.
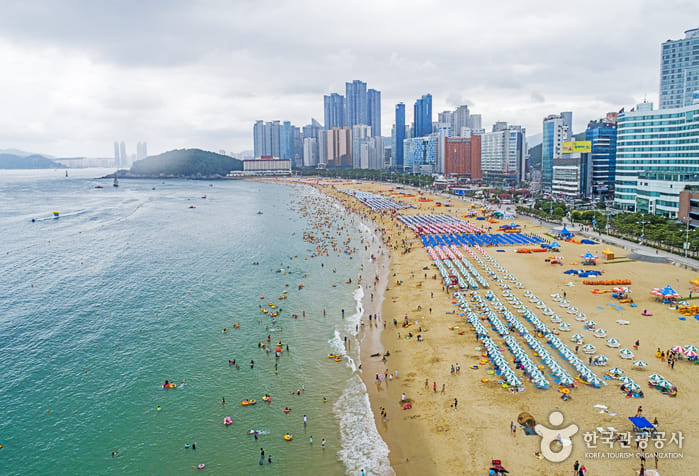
(78, 75)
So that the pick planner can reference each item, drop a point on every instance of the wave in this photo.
(362, 445)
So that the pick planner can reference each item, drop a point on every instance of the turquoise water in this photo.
(131, 286)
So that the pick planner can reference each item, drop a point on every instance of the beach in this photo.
(434, 436)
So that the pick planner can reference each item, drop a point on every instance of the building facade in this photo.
(657, 155)
(335, 148)
(557, 129)
(398, 137)
(421, 154)
(679, 70)
(423, 116)
(356, 103)
(334, 110)
(374, 111)
(360, 135)
(462, 157)
(602, 136)
(310, 152)
(503, 154)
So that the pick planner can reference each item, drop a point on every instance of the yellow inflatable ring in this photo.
(288, 437)
(484, 380)
(474, 366)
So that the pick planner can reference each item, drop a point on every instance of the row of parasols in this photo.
(438, 224)
(628, 384)
(376, 202)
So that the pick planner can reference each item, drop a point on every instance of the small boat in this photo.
(99, 186)
(116, 180)
(259, 212)
(56, 214)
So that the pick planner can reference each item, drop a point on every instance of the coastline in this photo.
(433, 437)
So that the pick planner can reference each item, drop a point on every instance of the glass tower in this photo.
(679, 70)
(399, 133)
(356, 103)
(423, 116)
(334, 108)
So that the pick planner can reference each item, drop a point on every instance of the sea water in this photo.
(134, 285)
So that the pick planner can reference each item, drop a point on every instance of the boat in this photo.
(116, 180)
(99, 186)
(259, 212)
(56, 214)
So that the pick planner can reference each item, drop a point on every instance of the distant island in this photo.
(12, 161)
(182, 163)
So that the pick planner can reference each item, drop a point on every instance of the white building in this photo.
(310, 152)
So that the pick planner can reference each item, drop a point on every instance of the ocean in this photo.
(135, 285)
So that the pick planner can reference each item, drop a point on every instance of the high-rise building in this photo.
(679, 70)
(423, 116)
(572, 172)
(335, 147)
(374, 111)
(123, 158)
(356, 103)
(462, 156)
(371, 153)
(360, 135)
(503, 154)
(421, 154)
(446, 117)
(657, 155)
(460, 119)
(335, 113)
(557, 129)
(116, 154)
(310, 152)
(141, 150)
(286, 141)
(262, 140)
(475, 122)
(398, 137)
(602, 137)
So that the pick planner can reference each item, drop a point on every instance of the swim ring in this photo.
(227, 421)
(484, 380)
(201, 466)
(288, 437)
(245, 402)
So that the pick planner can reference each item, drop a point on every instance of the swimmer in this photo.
(325, 400)
(322, 443)
(115, 453)
(158, 408)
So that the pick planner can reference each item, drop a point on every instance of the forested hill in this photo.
(11, 161)
(185, 163)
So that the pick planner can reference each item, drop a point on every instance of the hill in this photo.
(190, 163)
(11, 161)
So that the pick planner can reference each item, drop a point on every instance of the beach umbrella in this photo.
(625, 380)
(664, 384)
(679, 348)
(577, 337)
(632, 387)
(655, 378)
(612, 342)
(590, 323)
(564, 326)
(626, 354)
(617, 372)
(600, 333)
(691, 347)
(600, 360)
(691, 355)
(640, 363)
(589, 348)
(580, 315)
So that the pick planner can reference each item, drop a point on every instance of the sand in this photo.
(433, 437)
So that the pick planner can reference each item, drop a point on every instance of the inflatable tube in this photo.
(484, 380)
(288, 437)
(474, 367)
(201, 466)
(245, 402)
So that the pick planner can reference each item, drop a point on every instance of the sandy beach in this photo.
(435, 437)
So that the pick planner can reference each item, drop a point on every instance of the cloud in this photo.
(79, 75)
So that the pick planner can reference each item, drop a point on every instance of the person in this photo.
(576, 466)
(456, 403)
(310, 440)
(158, 408)
(269, 459)
(402, 397)
(223, 400)
(305, 420)
(322, 443)
(642, 472)
(639, 410)
(194, 445)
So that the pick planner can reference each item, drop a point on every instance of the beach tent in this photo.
(640, 423)
(589, 258)
(564, 233)
(525, 419)
(666, 293)
(608, 254)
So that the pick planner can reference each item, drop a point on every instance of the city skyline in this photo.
(118, 70)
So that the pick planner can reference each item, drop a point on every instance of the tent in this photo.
(665, 293)
(608, 254)
(589, 258)
(564, 233)
(640, 423)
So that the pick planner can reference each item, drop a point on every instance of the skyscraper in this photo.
(123, 160)
(399, 137)
(557, 129)
(334, 108)
(286, 141)
(374, 111)
(602, 136)
(356, 103)
(423, 116)
(360, 135)
(679, 70)
(460, 119)
(116, 154)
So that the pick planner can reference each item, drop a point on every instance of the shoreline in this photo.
(433, 437)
